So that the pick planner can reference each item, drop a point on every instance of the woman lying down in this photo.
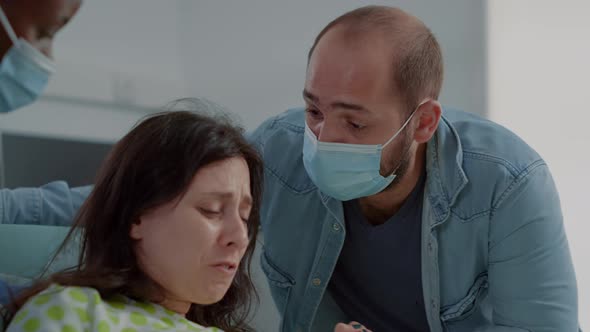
(167, 235)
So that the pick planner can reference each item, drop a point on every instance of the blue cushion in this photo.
(25, 250)
(8, 290)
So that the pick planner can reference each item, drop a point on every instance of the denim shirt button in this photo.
(316, 281)
(336, 227)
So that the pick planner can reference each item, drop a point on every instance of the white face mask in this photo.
(24, 71)
(347, 171)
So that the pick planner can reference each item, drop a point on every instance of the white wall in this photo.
(251, 55)
(119, 57)
(115, 60)
(539, 53)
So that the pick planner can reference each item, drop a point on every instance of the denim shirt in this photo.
(494, 251)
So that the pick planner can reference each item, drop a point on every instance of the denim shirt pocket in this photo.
(280, 283)
(465, 307)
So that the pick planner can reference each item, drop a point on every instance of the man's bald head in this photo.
(416, 59)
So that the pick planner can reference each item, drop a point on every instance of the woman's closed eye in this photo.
(209, 212)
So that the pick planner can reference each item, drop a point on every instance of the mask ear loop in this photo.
(399, 131)
(7, 27)
(405, 123)
(401, 161)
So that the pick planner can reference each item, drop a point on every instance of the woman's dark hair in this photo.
(153, 165)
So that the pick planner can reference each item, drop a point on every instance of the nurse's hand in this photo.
(350, 327)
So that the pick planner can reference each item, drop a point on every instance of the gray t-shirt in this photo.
(378, 278)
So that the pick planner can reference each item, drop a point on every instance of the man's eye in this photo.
(313, 113)
(355, 126)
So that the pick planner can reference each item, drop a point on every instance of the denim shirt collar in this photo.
(444, 166)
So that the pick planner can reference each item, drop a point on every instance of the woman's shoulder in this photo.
(148, 314)
(72, 308)
(56, 307)
(64, 295)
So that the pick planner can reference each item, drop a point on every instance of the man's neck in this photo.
(384, 205)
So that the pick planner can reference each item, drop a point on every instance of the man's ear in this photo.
(428, 115)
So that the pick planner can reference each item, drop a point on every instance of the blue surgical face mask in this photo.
(346, 171)
(24, 71)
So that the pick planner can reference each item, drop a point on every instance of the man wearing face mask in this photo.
(26, 38)
(381, 208)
